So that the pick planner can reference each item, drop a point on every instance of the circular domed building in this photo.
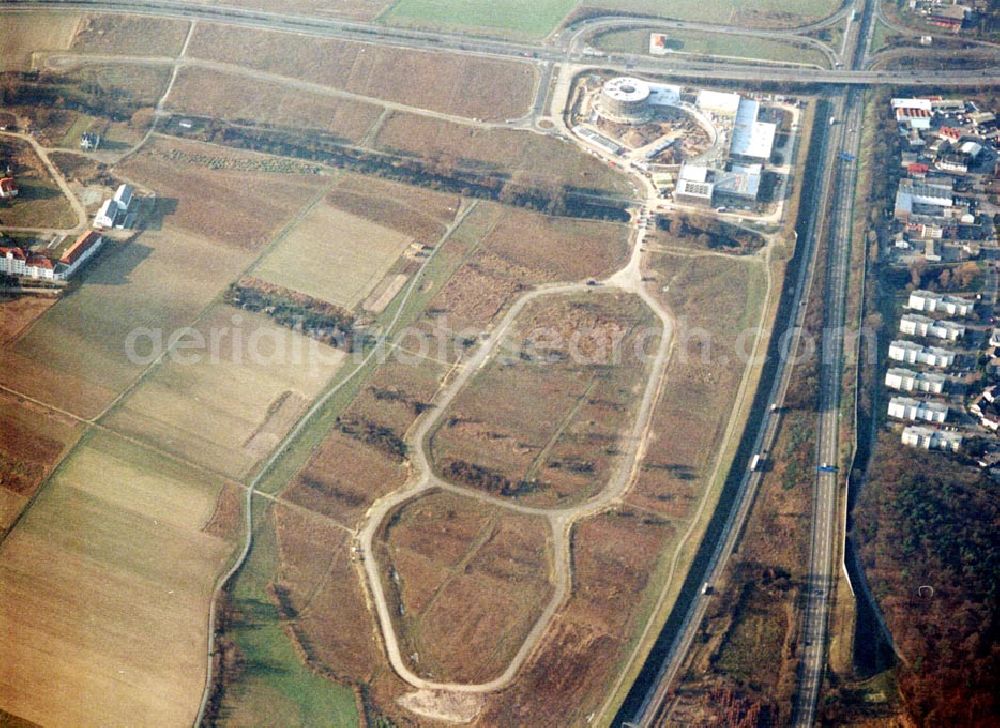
(624, 100)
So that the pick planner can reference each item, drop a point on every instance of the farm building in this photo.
(113, 213)
(906, 408)
(79, 252)
(931, 439)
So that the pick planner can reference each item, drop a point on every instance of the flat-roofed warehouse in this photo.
(752, 139)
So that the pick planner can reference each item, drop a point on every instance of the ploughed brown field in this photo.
(544, 422)
(465, 582)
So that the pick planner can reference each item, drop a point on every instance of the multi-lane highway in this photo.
(650, 711)
(552, 53)
(841, 143)
(825, 514)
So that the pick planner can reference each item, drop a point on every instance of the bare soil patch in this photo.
(461, 85)
(576, 364)
(237, 98)
(466, 583)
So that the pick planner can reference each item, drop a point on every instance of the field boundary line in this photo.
(463, 211)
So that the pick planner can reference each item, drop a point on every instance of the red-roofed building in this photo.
(914, 117)
(76, 254)
(16, 261)
(8, 188)
(950, 133)
(918, 168)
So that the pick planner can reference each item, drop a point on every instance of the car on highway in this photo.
(827, 468)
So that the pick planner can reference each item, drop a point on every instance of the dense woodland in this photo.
(315, 318)
(929, 519)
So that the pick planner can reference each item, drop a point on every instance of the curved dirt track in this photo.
(561, 520)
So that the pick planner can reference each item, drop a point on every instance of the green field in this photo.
(523, 18)
(527, 19)
(698, 43)
(275, 687)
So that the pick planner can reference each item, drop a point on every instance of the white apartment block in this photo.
(930, 439)
(930, 302)
(907, 380)
(905, 408)
(911, 353)
(914, 324)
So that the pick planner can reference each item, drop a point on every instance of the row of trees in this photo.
(434, 172)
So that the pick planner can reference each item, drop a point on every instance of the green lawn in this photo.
(522, 18)
(537, 18)
(275, 687)
(699, 43)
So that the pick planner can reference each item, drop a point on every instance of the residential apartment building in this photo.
(931, 302)
(914, 324)
(906, 408)
(911, 353)
(907, 380)
(931, 439)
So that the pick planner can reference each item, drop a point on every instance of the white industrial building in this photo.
(752, 139)
(741, 181)
(931, 439)
(931, 302)
(906, 408)
(915, 324)
(113, 213)
(692, 192)
(718, 102)
(925, 199)
(907, 380)
(911, 353)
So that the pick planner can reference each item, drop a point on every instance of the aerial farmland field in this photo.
(239, 199)
(88, 613)
(74, 355)
(206, 92)
(25, 33)
(477, 508)
(231, 407)
(469, 582)
(576, 364)
(470, 87)
(130, 35)
(34, 439)
(332, 255)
